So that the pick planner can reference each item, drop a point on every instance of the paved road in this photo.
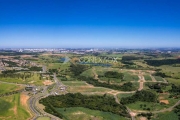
(44, 69)
(35, 98)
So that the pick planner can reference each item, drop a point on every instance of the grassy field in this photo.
(32, 80)
(12, 109)
(147, 78)
(74, 83)
(166, 116)
(88, 73)
(4, 88)
(144, 105)
(130, 77)
(159, 78)
(79, 113)
(81, 86)
(121, 95)
(174, 81)
(171, 71)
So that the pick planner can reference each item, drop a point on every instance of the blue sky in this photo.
(89, 23)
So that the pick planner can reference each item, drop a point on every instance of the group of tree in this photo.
(175, 91)
(163, 75)
(12, 74)
(35, 68)
(143, 95)
(158, 87)
(113, 74)
(95, 102)
(162, 62)
(77, 69)
(51, 71)
(125, 87)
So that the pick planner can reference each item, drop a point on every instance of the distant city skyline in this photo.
(89, 23)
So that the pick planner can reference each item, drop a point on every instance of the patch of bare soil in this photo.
(132, 114)
(14, 109)
(164, 101)
(142, 118)
(78, 113)
(24, 98)
(47, 82)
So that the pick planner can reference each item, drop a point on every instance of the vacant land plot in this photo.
(147, 78)
(79, 113)
(174, 81)
(74, 83)
(145, 106)
(166, 116)
(88, 73)
(34, 79)
(83, 87)
(11, 108)
(121, 95)
(158, 78)
(130, 77)
(4, 88)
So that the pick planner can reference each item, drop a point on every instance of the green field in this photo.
(11, 108)
(166, 116)
(130, 77)
(159, 78)
(4, 88)
(81, 86)
(121, 95)
(34, 79)
(145, 105)
(147, 78)
(79, 113)
(174, 81)
(74, 83)
(88, 73)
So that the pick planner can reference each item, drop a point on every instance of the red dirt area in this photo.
(164, 101)
(47, 82)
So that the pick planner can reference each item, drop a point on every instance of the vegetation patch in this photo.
(102, 103)
(143, 95)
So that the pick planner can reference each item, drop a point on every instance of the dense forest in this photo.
(162, 62)
(125, 87)
(95, 102)
(143, 95)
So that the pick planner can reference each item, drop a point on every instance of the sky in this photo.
(89, 23)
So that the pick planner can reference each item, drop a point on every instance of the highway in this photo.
(44, 93)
